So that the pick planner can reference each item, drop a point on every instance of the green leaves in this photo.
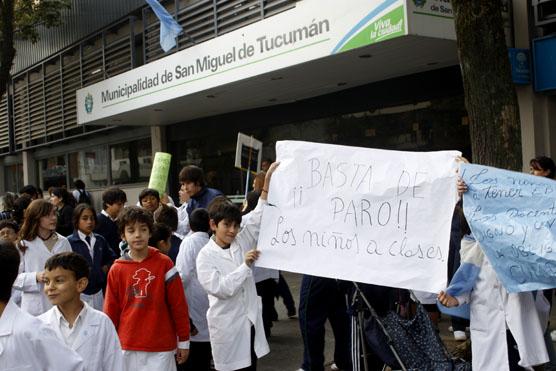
(31, 14)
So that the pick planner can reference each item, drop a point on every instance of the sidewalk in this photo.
(286, 345)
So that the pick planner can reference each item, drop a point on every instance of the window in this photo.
(53, 172)
(131, 162)
(91, 166)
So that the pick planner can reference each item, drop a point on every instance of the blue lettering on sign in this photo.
(513, 217)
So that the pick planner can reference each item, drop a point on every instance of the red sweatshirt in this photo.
(146, 302)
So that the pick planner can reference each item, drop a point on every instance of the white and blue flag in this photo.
(169, 28)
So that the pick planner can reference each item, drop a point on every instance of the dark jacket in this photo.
(175, 243)
(109, 230)
(102, 256)
(202, 199)
(64, 224)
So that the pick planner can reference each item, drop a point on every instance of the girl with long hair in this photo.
(38, 241)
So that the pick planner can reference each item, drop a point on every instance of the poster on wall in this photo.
(248, 153)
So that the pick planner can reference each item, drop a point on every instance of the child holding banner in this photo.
(224, 270)
(498, 319)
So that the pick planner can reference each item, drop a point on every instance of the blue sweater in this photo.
(102, 256)
(109, 230)
(202, 199)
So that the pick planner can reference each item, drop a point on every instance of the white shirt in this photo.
(91, 245)
(197, 298)
(103, 212)
(69, 332)
(234, 304)
(93, 336)
(26, 344)
(183, 220)
(33, 300)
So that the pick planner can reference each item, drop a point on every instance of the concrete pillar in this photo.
(29, 169)
(158, 139)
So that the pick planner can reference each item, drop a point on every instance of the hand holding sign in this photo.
(359, 214)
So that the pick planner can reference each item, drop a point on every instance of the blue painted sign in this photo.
(544, 52)
(521, 66)
(513, 216)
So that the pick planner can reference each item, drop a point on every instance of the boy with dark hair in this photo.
(84, 329)
(224, 271)
(27, 343)
(192, 180)
(113, 201)
(145, 299)
(197, 299)
(149, 199)
(168, 215)
(160, 237)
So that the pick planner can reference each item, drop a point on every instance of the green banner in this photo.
(388, 26)
(160, 171)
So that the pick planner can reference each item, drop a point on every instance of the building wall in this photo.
(413, 113)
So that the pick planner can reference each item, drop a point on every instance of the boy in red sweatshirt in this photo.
(145, 299)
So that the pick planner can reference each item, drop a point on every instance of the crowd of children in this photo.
(159, 287)
(111, 287)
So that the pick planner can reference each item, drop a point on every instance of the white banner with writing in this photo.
(358, 214)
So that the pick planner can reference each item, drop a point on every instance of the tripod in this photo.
(360, 353)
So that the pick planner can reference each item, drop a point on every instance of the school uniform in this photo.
(93, 337)
(202, 199)
(108, 228)
(234, 307)
(197, 300)
(175, 242)
(96, 251)
(183, 220)
(27, 344)
(33, 300)
(492, 311)
(64, 225)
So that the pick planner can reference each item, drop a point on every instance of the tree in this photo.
(490, 95)
(21, 19)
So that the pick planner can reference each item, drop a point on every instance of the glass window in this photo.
(13, 177)
(91, 166)
(131, 162)
(52, 172)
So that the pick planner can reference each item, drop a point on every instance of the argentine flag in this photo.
(464, 279)
(169, 28)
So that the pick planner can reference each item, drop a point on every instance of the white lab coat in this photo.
(26, 344)
(97, 342)
(183, 220)
(33, 300)
(197, 298)
(493, 310)
(234, 304)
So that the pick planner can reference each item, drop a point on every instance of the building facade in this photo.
(98, 97)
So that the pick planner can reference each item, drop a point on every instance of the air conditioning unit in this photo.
(545, 12)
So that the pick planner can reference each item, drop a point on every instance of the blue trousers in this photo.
(322, 299)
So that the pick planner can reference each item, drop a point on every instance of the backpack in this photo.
(84, 197)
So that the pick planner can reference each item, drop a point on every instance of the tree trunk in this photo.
(490, 95)
(7, 51)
